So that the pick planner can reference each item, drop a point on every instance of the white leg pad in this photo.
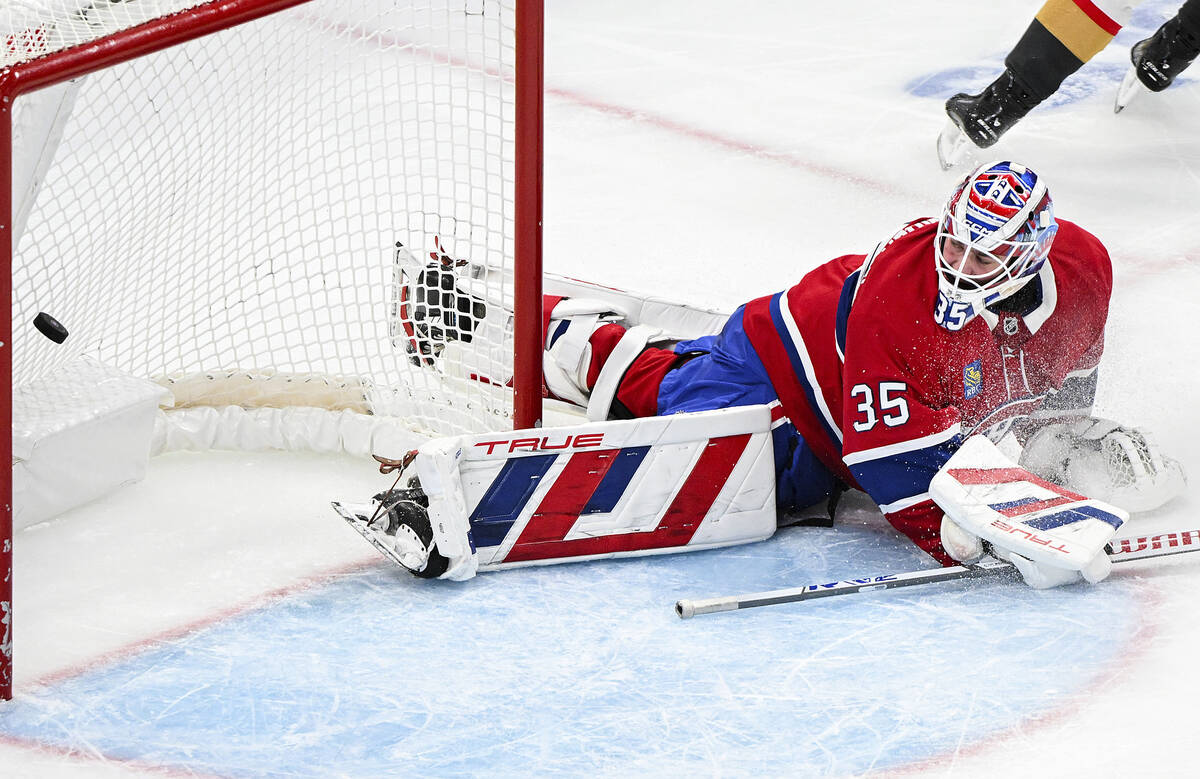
(566, 360)
(438, 468)
(601, 489)
(626, 351)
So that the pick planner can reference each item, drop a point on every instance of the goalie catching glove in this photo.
(1051, 535)
(1105, 460)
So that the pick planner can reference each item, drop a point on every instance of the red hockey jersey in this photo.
(884, 395)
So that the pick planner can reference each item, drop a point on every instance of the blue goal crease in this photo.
(566, 668)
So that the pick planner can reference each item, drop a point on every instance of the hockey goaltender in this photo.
(887, 372)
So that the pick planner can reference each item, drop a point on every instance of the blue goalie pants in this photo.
(725, 371)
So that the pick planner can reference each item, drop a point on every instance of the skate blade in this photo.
(1129, 89)
(358, 521)
(953, 146)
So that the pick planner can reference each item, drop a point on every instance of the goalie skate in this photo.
(397, 524)
(442, 308)
(441, 305)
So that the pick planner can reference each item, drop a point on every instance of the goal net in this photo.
(234, 205)
(286, 207)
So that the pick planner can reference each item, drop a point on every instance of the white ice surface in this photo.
(715, 151)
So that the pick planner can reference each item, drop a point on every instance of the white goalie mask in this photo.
(994, 237)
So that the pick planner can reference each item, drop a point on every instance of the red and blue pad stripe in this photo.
(1028, 510)
(985, 493)
(636, 487)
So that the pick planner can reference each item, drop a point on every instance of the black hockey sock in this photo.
(1041, 61)
(1189, 14)
(1189, 26)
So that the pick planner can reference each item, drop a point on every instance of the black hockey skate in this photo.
(396, 522)
(1158, 60)
(981, 119)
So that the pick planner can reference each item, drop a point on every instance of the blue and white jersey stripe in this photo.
(899, 473)
(802, 364)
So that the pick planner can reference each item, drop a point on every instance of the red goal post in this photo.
(188, 267)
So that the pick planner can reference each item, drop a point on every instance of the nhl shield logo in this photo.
(1010, 325)
(972, 379)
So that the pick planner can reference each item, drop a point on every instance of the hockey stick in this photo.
(1120, 551)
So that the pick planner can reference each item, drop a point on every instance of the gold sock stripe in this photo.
(1079, 25)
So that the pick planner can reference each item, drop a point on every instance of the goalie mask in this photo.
(994, 237)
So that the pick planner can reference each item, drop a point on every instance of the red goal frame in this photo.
(212, 17)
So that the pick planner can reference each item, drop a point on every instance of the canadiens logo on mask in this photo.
(993, 238)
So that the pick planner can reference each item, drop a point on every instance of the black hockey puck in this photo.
(50, 327)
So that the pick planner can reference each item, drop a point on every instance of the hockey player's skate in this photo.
(396, 522)
(1158, 60)
(981, 119)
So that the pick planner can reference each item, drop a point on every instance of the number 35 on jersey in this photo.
(884, 403)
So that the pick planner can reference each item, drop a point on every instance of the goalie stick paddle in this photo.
(1120, 551)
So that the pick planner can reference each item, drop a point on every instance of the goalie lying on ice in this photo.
(871, 372)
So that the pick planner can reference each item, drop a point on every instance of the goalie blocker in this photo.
(1052, 535)
(605, 489)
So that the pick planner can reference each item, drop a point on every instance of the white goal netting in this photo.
(230, 208)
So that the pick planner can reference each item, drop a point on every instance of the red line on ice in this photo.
(167, 636)
(636, 115)
(92, 755)
(1137, 644)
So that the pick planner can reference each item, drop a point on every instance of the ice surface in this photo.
(218, 618)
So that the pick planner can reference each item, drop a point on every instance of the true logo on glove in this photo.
(1025, 532)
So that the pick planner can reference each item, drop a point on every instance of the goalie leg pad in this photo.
(568, 355)
(603, 489)
(569, 359)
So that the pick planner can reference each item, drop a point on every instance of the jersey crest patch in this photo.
(972, 379)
